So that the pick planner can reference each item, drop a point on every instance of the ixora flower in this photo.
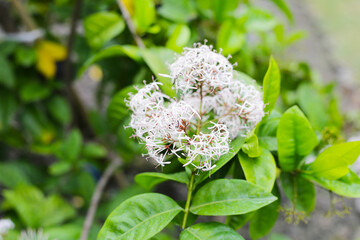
(213, 106)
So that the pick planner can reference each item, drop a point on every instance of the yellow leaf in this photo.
(129, 6)
(55, 50)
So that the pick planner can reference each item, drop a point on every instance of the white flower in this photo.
(31, 234)
(5, 226)
(209, 93)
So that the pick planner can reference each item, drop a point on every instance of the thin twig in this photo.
(95, 199)
(130, 24)
(24, 15)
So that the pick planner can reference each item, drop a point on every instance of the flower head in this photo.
(5, 226)
(31, 234)
(213, 106)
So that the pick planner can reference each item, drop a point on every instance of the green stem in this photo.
(188, 200)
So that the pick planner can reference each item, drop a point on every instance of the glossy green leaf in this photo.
(299, 191)
(157, 59)
(260, 170)
(229, 197)
(265, 218)
(101, 27)
(334, 161)
(151, 179)
(179, 37)
(317, 113)
(251, 146)
(7, 77)
(139, 217)
(230, 38)
(178, 10)
(269, 126)
(347, 186)
(284, 8)
(269, 143)
(145, 14)
(235, 147)
(295, 138)
(271, 85)
(130, 51)
(209, 231)
(59, 109)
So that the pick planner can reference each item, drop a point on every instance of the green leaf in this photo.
(32, 91)
(60, 168)
(271, 85)
(8, 108)
(229, 197)
(269, 126)
(157, 58)
(130, 51)
(145, 14)
(179, 37)
(7, 77)
(94, 150)
(261, 170)
(217, 9)
(295, 138)
(59, 109)
(151, 179)
(259, 20)
(70, 149)
(230, 37)
(268, 143)
(265, 218)
(180, 11)
(347, 186)
(12, 175)
(251, 145)
(235, 147)
(299, 191)
(34, 209)
(209, 231)
(101, 27)
(117, 110)
(281, 4)
(25, 56)
(139, 217)
(334, 161)
(238, 221)
(313, 105)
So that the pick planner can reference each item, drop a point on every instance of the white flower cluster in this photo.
(213, 107)
(31, 234)
(5, 226)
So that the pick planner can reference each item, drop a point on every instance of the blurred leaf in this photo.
(269, 126)
(117, 109)
(269, 143)
(218, 10)
(313, 105)
(229, 197)
(149, 180)
(70, 149)
(179, 37)
(32, 91)
(64, 232)
(271, 85)
(140, 217)
(145, 14)
(101, 27)
(284, 8)
(299, 191)
(8, 108)
(251, 145)
(25, 56)
(209, 230)
(346, 186)
(157, 58)
(334, 161)
(12, 175)
(130, 51)
(180, 11)
(265, 218)
(8, 47)
(260, 170)
(7, 77)
(259, 20)
(235, 147)
(35, 210)
(60, 168)
(230, 37)
(295, 138)
(59, 109)
(94, 150)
